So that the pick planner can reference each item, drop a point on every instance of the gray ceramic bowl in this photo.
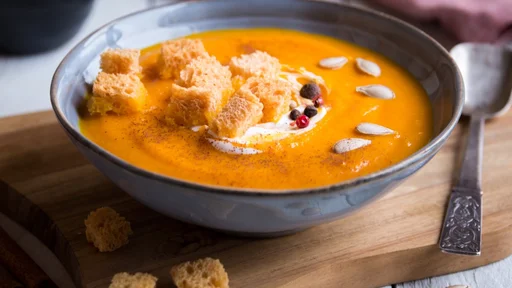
(258, 212)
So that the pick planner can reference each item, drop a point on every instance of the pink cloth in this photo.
(468, 20)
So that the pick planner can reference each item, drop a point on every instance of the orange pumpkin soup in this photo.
(316, 157)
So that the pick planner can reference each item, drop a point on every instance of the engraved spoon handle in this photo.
(462, 230)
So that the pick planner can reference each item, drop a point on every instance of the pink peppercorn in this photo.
(302, 121)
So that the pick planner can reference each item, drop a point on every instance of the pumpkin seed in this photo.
(368, 67)
(333, 62)
(373, 129)
(377, 91)
(349, 144)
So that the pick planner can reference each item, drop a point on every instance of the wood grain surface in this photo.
(7, 280)
(37, 70)
(391, 241)
(19, 264)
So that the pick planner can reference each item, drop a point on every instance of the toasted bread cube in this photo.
(97, 105)
(176, 54)
(241, 112)
(137, 280)
(206, 71)
(275, 95)
(202, 273)
(205, 87)
(119, 93)
(120, 61)
(190, 106)
(106, 229)
(256, 64)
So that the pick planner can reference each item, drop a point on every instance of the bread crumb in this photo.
(256, 64)
(202, 273)
(200, 92)
(241, 112)
(275, 95)
(176, 54)
(137, 280)
(107, 230)
(120, 61)
(119, 93)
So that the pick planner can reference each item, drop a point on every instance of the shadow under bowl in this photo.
(248, 211)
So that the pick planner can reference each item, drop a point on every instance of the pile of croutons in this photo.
(228, 99)
(109, 231)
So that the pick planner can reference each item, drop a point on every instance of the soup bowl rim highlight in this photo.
(430, 148)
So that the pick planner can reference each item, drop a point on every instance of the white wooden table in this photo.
(17, 98)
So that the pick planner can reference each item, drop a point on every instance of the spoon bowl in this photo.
(487, 73)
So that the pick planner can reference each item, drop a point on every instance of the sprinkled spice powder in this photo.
(148, 141)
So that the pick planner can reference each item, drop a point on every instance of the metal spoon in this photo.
(487, 74)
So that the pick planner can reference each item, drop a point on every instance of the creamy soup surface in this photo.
(286, 159)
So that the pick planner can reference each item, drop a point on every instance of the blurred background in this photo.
(36, 34)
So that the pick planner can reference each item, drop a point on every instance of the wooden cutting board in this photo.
(390, 241)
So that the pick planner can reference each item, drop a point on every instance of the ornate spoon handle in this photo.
(462, 228)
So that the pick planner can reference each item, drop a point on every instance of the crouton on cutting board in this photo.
(202, 273)
(107, 230)
(137, 280)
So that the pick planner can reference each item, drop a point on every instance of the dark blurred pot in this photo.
(32, 26)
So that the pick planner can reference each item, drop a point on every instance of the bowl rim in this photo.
(419, 155)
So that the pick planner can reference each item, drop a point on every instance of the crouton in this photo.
(119, 93)
(120, 61)
(275, 95)
(176, 54)
(256, 64)
(205, 87)
(190, 106)
(137, 280)
(242, 111)
(205, 71)
(106, 229)
(202, 273)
